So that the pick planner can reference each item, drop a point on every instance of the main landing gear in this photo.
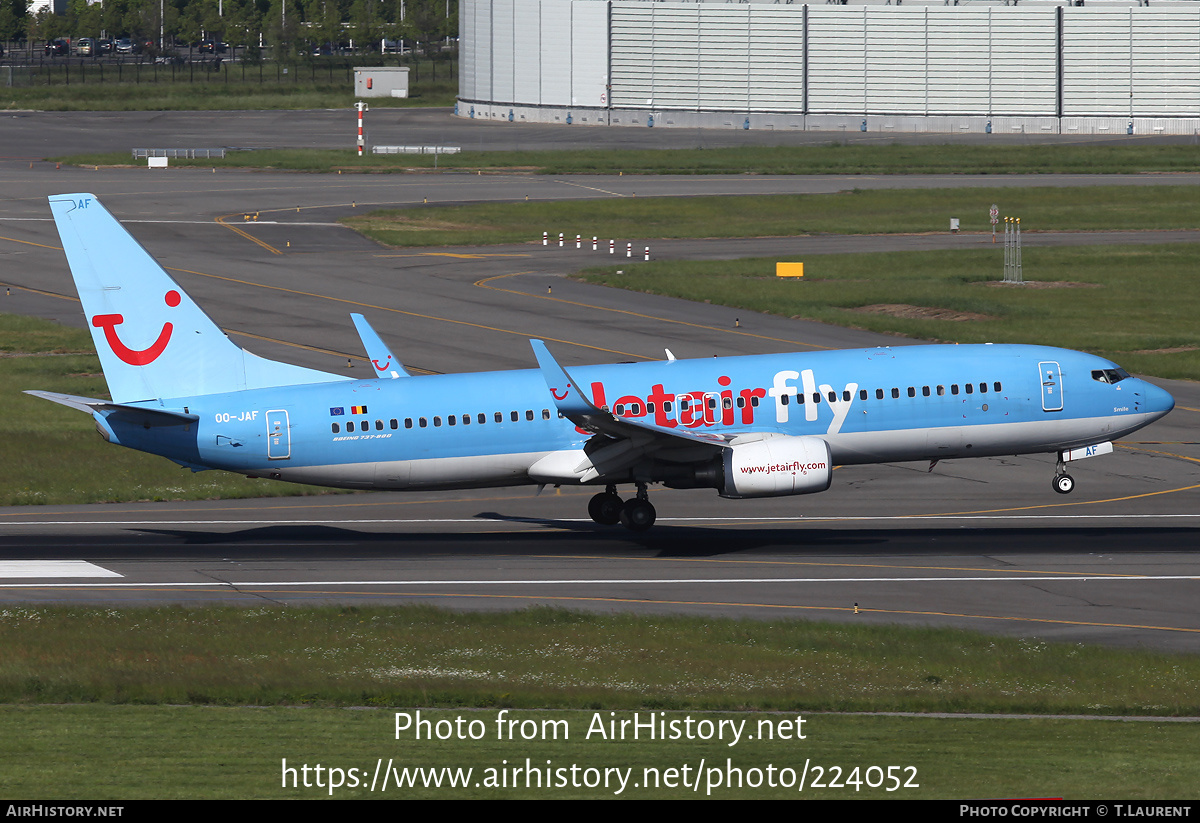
(1063, 482)
(636, 514)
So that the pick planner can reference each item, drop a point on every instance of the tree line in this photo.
(293, 24)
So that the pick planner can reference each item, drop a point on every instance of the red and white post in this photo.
(361, 107)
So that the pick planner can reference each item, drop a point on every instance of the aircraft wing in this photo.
(576, 407)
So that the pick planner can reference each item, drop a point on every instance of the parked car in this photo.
(85, 47)
(128, 46)
(105, 47)
(213, 46)
(57, 48)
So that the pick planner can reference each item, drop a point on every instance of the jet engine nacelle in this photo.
(776, 466)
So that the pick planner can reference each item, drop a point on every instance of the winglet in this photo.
(570, 399)
(378, 353)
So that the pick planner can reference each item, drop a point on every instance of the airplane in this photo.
(747, 426)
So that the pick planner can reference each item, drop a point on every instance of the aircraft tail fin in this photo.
(152, 338)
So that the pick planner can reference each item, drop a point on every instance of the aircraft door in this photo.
(279, 435)
(1051, 380)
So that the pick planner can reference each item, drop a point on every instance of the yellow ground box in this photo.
(789, 269)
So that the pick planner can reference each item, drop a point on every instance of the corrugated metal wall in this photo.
(927, 61)
(534, 52)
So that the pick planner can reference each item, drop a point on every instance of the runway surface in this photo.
(984, 544)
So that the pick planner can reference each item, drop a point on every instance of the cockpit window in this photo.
(1109, 375)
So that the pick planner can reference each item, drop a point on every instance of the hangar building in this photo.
(1103, 68)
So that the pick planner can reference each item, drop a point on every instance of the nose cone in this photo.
(1158, 401)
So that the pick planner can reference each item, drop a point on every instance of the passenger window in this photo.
(879, 394)
(816, 397)
(995, 387)
(832, 397)
(925, 391)
(954, 388)
(395, 423)
(846, 395)
(941, 390)
(350, 425)
(783, 399)
(466, 419)
(422, 422)
(619, 409)
(437, 421)
(912, 392)
(481, 419)
(983, 388)
(515, 416)
(970, 387)
(378, 425)
(451, 420)
(529, 414)
(545, 414)
(862, 394)
(895, 393)
(499, 417)
(336, 428)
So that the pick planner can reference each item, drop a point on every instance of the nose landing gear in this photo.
(1063, 482)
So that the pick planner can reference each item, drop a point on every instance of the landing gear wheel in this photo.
(605, 509)
(1064, 484)
(637, 515)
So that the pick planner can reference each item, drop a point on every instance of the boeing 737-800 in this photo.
(751, 426)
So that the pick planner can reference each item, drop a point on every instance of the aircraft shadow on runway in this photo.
(568, 537)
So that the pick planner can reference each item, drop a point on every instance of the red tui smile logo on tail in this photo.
(135, 357)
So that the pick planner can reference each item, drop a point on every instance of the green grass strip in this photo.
(552, 658)
(212, 96)
(886, 211)
(831, 158)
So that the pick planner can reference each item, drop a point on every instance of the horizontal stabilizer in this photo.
(92, 405)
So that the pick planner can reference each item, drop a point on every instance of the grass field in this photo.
(172, 702)
(833, 158)
(205, 752)
(853, 212)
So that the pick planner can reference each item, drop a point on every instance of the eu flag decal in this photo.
(337, 411)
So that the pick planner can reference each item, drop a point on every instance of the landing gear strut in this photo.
(636, 514)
